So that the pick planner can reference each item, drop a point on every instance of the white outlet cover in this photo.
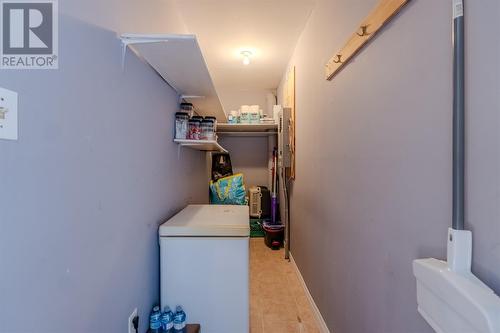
(131, 328)
(8, 114)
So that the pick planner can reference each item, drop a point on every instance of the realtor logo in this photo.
(29, 34)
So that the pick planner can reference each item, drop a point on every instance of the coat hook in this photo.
(363, 31)
(338, 59)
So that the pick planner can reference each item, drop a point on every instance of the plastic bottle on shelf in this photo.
(179, 319)
(233, 117)
(167, 320)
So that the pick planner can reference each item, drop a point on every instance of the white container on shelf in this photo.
(254, 117)
(245, 114)
(181, 125)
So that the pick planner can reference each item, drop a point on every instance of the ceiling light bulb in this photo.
(246, 57)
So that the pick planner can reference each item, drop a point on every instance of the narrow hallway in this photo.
(278, 302)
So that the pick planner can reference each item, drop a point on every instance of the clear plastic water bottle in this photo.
(155, 320)
(167, 320)
(179, 319)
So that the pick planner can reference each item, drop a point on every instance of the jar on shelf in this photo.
(207, 130)
(245, 117)
(187, 108)
(194, 129)
(254, 117)
(214, 120)
(181, 125)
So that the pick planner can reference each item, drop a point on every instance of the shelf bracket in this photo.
(191, 96)
(124, 54)
(126, 41)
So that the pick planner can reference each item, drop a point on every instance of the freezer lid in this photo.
(208, 221)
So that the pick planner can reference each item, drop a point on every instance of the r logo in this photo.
(27, 28)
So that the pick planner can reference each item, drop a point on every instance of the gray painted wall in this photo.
(249, 156)
(233, 99)
(373, 187)
(92, 176)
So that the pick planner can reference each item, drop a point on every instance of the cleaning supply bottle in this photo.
(155, 320)
(167, 320)
(179, 319)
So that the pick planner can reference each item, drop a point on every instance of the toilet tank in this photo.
(455, 302)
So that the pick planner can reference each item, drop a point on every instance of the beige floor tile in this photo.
(277, 300)
(256, 328)
(283, 327)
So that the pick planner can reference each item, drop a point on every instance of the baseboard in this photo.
(321, 322)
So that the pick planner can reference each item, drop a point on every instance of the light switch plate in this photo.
(8, 114)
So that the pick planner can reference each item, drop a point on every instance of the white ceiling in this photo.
(269, 28)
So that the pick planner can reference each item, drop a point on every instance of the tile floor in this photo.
(277, 301)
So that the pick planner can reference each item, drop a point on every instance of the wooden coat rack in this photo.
(380, 15)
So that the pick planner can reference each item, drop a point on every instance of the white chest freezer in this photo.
(204, 254)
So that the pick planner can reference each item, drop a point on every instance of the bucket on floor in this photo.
(274, 235)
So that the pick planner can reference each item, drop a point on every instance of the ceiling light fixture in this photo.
(246, 57)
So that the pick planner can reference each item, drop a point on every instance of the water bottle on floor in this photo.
(155, 320)
(167, 320)
(179, 319)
